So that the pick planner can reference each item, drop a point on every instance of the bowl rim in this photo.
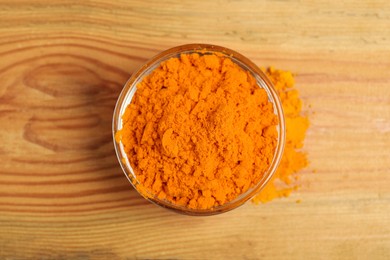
(130, 88)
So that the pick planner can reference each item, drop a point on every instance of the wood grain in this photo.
(63, 64)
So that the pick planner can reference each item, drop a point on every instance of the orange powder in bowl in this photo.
(199, 131)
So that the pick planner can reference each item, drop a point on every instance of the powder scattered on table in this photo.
(294, 159)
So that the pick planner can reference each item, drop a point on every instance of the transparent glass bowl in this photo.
(131, 87)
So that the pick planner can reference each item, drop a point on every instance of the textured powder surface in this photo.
(293, 159)
(199, 131)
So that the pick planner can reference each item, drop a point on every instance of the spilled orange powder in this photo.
(293, 160)
(199, 131)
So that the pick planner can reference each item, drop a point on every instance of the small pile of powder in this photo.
(199, 131)
(293, 159)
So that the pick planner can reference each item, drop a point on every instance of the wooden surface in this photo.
(62, 66)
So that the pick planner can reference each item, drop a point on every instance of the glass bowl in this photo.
(130, 88)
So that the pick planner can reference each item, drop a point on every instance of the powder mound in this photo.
(199, 131)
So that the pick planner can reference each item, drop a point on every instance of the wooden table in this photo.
(62, 66)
